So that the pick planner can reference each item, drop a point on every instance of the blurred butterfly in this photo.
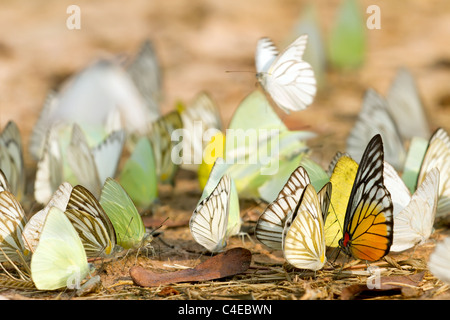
(59, 260)
(439, 262)
(413, 215)
(391, 118)
(128, 225)
(368, 223)
(199, 118)
(303, 234)
(347, 40)
(438, 156)
(91, 166)
(160, 136)
(92, 224)
(11, 159)
(259, 147)
(285, 76)
(270, 225)
(209, 221)
(33, 228)
(145, 72)
(138, 175)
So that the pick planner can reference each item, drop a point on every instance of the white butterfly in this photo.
(92, 166)
(413, 215)
(398, 118)
(438, 156)
(285, 76)
(304, 235)
(209, 220)
(33, 228)
(439, 262)
(271, 225)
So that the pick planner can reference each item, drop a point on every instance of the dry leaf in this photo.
(229, 263)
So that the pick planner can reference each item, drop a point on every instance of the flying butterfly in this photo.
(59, 260)
(127, 222)
(368, 223)
(285, 76)
(209, 221)
(303, 234)
(93, 225)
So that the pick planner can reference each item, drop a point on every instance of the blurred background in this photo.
(198, 41)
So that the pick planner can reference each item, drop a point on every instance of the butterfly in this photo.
(127, 222)
(11, 159)
(209, 220)
(303, 234)
(271, 223)
(33, 228)
(199, 118)
(438, 155)
(60, 259)
(91, 167)
(285, 76)
(398, 118)
(413, 215)
(439, 262)
(93, 225)
(368, 223)
(347, 41)
(160, 136)
(138, 175)
(145, 72)
(259, 148)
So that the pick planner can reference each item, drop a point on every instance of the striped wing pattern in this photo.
(270, 225)
(12, 223)
(91, 222)
(209, 220)
(368, 224)
(304, 239)
(438, 156)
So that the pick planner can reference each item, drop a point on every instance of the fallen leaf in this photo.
(168, 291)
(229, 263)
(385, 286)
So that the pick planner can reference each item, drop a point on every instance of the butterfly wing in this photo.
(414, 224)
(59, 258)
(209, 220)
(270, 225)
(289, 80)
(368, 224)
(304, 239)
(12, 223)
(91, 222)
(439, 263)
(375, 118)
(266, 53)
(438, 156)
(130, 230)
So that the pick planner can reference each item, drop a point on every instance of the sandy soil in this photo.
(197, 42)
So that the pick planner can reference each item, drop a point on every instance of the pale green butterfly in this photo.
(59, 260)
(127, 222)
(138, 175)
(347, 43)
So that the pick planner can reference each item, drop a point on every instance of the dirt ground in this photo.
(197, 41)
